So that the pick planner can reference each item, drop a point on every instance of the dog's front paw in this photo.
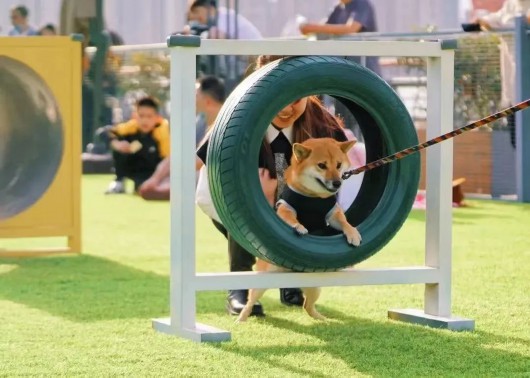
(315, 314)
(353, 236)
(244, 314)
(300, 230)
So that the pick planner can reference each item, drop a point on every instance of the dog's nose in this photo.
(337, 184)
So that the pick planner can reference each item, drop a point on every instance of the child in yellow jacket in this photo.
(139, 145)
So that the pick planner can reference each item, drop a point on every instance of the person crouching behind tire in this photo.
(302, 119)
(139, 145)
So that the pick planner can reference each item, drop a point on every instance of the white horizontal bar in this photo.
(298, 47)
(347, 277)
(301, 47)
(127, 48)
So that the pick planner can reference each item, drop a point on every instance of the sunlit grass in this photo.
(91, 314)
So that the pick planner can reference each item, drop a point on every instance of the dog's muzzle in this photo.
(330, 186)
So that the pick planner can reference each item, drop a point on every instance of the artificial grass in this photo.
(90, 315)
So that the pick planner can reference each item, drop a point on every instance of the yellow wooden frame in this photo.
(58, 212)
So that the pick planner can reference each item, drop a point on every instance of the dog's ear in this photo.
(345, 146)
(300, 152)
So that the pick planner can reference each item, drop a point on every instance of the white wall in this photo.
(150, 21)
(145, 21)
(137, 21)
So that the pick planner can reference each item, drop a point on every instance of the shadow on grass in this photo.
(391, 348)
(85, 288)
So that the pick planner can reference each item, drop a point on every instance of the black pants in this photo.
(240, 259)
(125, 165)
(87, 96)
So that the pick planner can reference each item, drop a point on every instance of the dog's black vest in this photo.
(311, 212)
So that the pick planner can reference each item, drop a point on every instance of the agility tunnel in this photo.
(40, 113)
(386, 194)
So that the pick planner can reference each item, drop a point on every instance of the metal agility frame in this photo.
(185, 282)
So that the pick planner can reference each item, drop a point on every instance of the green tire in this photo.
(386, 194)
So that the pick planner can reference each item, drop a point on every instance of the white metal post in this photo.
(182, 230)
(438, 243)
(439, 173)
(182, 290)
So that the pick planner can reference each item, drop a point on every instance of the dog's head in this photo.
(317, 166)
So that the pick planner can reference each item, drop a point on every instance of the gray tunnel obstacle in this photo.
(31, 137)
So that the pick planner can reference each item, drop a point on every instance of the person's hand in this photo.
(186, 30)
(268, 184)
(483, 24)
(122, 146)
(198, 163)
(307, 28)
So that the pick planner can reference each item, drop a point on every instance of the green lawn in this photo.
(90, 315)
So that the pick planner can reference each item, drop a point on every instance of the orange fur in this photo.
(315, 171)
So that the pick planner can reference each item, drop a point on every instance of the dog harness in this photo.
(312, 212)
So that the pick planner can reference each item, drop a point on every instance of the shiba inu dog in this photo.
(309, 204)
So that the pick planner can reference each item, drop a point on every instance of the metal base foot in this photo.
(420, 317)
(201, 332)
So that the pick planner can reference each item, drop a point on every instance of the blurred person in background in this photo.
(48, 30)
(209, 20)
(138, 146)
(221, 21)
(209, 96)
(19, 19)
(348, 17)
(505, 18)
(476, 8)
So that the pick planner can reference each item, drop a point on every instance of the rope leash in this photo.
(408, 151)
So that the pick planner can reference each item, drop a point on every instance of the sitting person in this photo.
(48, 30)
(209, 96)
(139, 145)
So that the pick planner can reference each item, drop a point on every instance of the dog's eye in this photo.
(322, 165)
(339, 164)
